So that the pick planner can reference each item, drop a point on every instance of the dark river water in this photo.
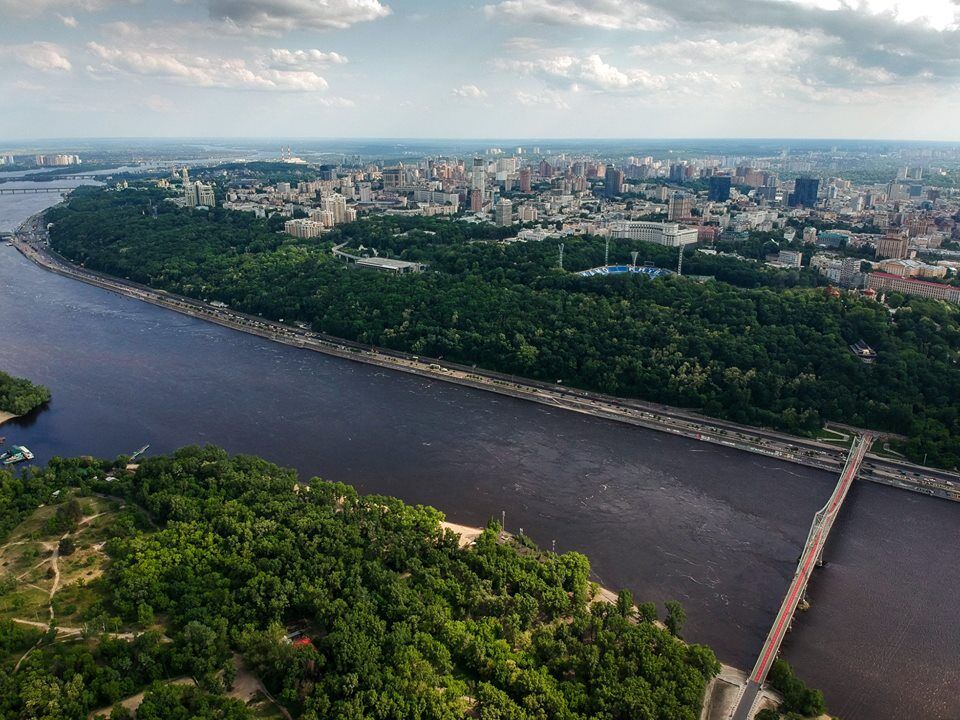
(668, 518)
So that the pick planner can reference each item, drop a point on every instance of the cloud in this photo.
(542, 98)
(34, 8)
(69, 20)
(159, 104)
(470, 92)
(281, 16)
(300, 59)
(590, 71)
(202, 71)
(43, 56)
(606, 14)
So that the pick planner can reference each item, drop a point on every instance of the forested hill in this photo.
(19, 396)
(219, 571)
(756, 346)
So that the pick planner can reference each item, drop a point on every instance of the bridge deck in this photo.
(812, 551)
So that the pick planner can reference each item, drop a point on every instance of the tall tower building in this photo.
(719, 188)
(680, 207)
(525, 185)
(503, 213)
(613, 182)
(804, 193)
(478, 178)
(476, 200)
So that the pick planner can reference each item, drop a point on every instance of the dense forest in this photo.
(19, 396)
(756, 345)
(344, 606)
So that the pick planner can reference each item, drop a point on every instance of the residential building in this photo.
(303, 228)
(680, 207)
(804, 193)
(719, 188)
(892, 246)
(503, 213)
(613, 182)
(884, 282)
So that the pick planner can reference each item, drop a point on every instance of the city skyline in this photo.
(605, 69)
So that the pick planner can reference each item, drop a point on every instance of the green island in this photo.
(199, 585)
(754, 345)
(19, 396)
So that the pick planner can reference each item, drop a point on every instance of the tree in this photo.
(675, 617)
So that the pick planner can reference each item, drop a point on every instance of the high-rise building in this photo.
(804, 193)
(503, 213)
(613, 182)
(197, 194)
(680, 207)
(476, 200)
(479, 175)
(525, 185)
(719, 188)
(892, 246)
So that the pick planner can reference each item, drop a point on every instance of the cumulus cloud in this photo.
(589, 71)
(69, 20)
(543, 98)
(43, 56)
(300, 59)
(33, 8)
(608, 14)
(469, 92)
(280, 16)
(202, 71)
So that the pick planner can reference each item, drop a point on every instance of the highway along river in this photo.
(666, 517)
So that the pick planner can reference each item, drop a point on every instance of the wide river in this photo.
(668, 518)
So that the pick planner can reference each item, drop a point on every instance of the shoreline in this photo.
(721, 691)
(6, 416)
(653, 416)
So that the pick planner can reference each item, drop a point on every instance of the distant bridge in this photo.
(811, 557)
(33, 190)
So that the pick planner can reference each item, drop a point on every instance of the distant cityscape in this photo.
(875, 231)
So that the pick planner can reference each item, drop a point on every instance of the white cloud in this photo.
(590, 71)
(300, 59)
(202, 71)
(69, 20)
(470, 92)
(34, 8)
(279, 16)
(43, 56)
(542, 98)
(606, 14)
(159, 104)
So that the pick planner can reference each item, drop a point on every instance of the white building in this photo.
(669, 234)
(303, 228)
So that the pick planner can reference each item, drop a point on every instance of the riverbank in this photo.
(6, 416)
(723, 691)
(31, 242)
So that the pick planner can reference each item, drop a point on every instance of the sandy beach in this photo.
(4, 416)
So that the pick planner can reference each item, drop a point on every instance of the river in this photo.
(668, 518)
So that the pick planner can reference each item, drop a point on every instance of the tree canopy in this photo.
(344, 605)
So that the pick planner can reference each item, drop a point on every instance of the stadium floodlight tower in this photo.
(634, 256)
(680, 261)
(606, 253)
(561, 256)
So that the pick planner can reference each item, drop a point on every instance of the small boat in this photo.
(16, 453)
(139, 452)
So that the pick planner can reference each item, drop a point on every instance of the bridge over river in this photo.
(811, 557)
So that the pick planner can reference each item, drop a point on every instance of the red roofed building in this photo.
(909, 286)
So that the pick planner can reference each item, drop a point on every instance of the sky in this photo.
(486, 69)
